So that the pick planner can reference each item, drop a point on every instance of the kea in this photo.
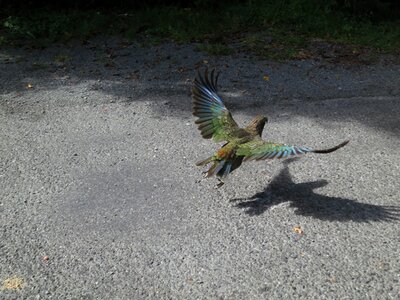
(241, 144)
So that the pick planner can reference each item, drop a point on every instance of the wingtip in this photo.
(333, 148)
(342, 144)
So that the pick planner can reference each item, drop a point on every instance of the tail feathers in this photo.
(220, 168)
(204, 162)
(225, 170)
(332, 149)
(215, 168)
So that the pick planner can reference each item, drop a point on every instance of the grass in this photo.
(276, 44)
(271, 29)
(215, 49)
(61, 58)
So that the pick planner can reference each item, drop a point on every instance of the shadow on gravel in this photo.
(308, 203)
(162, 75)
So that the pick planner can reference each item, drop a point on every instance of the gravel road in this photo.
(100, 197)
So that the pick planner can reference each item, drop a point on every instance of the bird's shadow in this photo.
(308, 203)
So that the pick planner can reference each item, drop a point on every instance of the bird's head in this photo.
(257, 124)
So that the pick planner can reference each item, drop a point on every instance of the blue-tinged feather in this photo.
(219, 167)
(271, 155)
(226, 169)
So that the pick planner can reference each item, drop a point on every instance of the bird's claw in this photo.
(220, 183)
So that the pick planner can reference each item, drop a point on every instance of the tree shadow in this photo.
(106, 70)
(308, 203)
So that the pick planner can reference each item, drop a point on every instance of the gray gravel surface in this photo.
(97, 173)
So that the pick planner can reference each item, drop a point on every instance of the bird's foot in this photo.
(219, 184)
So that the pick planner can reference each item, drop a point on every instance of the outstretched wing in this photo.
(259, 150)
(214, 119)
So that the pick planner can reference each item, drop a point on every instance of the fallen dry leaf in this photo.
(12, 283)
(29, 86)
(298, 230)
(266, 77)
(181, 69)
(303, 54)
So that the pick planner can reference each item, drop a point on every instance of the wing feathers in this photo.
(214, 119)
(261, 150)
(333, 148)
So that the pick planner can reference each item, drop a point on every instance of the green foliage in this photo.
(272, 29)
(275, 44)
(52, 26)
(61, 58)
(215, 49)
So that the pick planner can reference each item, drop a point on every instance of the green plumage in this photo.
(216, 122)
(214, 119)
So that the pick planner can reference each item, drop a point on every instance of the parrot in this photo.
(215, 122)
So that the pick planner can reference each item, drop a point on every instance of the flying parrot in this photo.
(241, 144)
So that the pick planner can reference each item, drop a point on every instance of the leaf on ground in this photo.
(13, 283)
(298, 230)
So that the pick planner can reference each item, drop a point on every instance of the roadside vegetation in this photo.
(270, 29)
